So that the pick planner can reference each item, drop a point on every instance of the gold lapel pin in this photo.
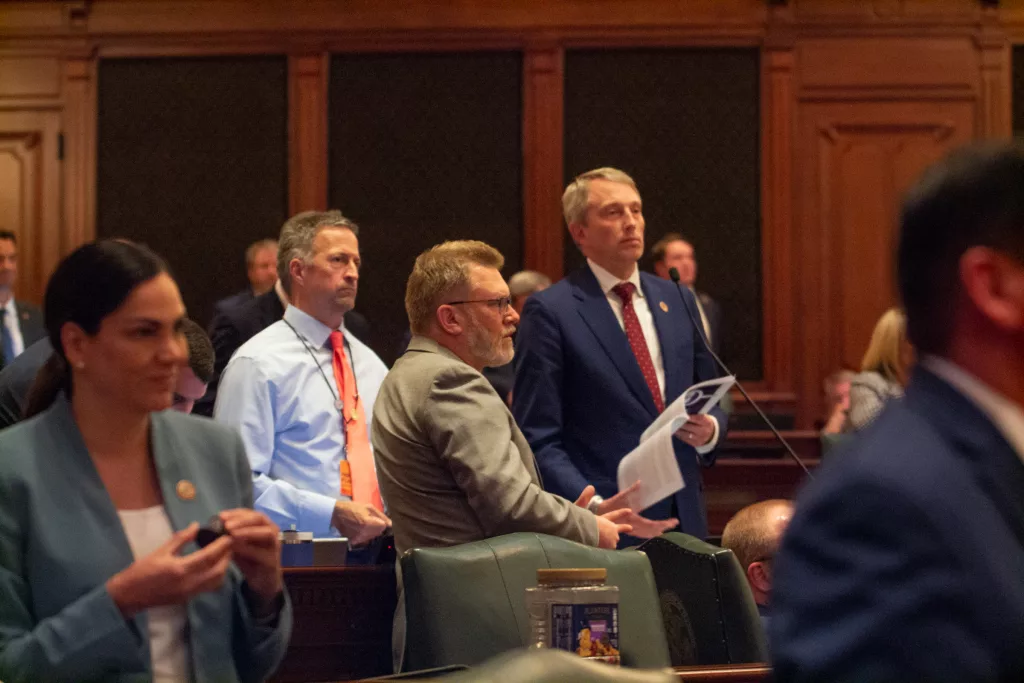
(664, 306)
(186, 490)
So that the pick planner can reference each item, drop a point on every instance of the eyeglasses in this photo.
(502, 303)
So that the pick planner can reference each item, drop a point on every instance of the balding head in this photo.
(753, 535)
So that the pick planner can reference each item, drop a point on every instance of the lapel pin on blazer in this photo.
(185, 489)
(663, 306)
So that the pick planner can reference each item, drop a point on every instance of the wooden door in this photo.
(856, 160)
(30, 194)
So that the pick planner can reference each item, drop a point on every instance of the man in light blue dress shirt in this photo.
(280, 392)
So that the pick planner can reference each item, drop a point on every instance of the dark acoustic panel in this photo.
(685, 124)
(192, 160)
(424, 148)
(1018, 92)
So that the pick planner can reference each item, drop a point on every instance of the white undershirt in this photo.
(147, 530)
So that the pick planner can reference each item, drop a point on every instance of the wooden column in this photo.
(995, 106)
(777, 97)
(80, 125)
(307, 131)
(542, 159)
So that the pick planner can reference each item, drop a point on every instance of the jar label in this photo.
(587, 630)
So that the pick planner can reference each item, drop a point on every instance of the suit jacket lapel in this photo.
(999, 468)
(669, 336)
(177, 483)
(593, 307)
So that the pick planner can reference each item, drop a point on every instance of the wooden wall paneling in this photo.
(307, 132)
(80, 132)
(777, 100)
(995, 101)
(543, 73)
(856, 160)
(30, 192)
(162, 17)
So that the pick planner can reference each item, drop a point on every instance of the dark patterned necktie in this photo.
(635, 335)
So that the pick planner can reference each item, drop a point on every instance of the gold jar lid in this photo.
(570, 575)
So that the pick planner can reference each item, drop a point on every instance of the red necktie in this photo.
(635, 335)
(358, 476)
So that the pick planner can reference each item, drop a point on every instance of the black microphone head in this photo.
(673, 275)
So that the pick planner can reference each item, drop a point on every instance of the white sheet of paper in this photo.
(653, 462)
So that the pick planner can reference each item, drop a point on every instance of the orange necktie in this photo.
(357, 469)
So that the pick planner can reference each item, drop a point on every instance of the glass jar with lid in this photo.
(575, 610)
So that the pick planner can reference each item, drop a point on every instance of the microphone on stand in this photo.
(674, 275)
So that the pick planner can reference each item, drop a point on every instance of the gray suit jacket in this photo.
(61, 539)
(453, 466)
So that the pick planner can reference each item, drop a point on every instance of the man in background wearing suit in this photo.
(453, 466)
(673, 251)
(905, 558)
(21, 323)
(260, 269)
(601, 354)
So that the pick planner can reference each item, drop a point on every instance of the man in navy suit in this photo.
(601, 353)
(21, 323)
(905, 558)
(260, 269)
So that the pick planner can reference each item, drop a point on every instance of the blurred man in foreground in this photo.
(905, 558)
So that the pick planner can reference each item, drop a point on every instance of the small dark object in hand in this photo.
(210, 532)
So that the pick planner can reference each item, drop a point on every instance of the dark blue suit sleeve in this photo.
(537, 398)
(863, 593)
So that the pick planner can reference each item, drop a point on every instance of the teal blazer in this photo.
(61, 539)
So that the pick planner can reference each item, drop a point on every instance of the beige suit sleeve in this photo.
(469, 426)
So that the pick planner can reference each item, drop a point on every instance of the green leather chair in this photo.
(467, 603)
(708, 609)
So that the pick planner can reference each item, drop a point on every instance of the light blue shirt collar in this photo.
(311, 329)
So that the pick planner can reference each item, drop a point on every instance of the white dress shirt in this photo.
(279, 392)
(607, 281)
(1006, 415)
(13, 328)
(147, 529)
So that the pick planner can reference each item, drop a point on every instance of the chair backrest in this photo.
(467, 603)
(708, 609)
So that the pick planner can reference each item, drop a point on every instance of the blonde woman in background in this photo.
(883, 371)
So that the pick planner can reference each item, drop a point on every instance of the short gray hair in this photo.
(526, 282)
(297, 235)
(577, 193)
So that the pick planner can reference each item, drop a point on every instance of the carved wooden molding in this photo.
(834, 131)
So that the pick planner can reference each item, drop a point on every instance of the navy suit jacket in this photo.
(905, 558)
(581, 399)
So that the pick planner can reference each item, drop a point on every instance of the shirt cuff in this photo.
(710, 445)
(317, 513)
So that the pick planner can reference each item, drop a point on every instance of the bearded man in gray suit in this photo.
(452, 465)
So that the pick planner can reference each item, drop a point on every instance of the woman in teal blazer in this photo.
(79, 597)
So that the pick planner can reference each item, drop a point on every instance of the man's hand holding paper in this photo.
(653, 462)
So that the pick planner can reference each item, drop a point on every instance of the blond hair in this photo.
(885, 351)
(577, 193)
(440, 270)
(752, 534)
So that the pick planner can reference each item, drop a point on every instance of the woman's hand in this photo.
(257, 552)
(166, 578)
